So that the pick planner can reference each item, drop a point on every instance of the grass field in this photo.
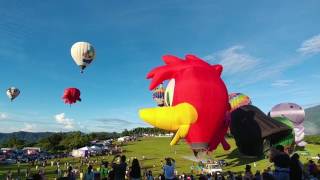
(155, 150)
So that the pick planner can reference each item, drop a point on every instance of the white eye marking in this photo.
(169, 93)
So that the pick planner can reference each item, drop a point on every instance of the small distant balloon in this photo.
(12, 93)
(83, 53)
(237, 100)
(158, 95)
(71, 95)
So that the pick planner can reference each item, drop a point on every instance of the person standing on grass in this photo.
(71, 175)
(281, 162)
(135, 170)
(248, 174)
(168, 169)
(119, 169)
(89, 174)
(149, 175)
(104, 171)
(295, 167)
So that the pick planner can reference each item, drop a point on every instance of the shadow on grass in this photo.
(238, 159)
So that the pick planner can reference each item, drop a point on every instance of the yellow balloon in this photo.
(176, 118)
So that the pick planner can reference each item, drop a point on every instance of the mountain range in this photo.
(311, 124)
(27, 136)
(312, 120)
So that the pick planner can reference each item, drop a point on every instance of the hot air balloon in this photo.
(237, 100)
(196, 111)
(158, 95)
(71, 95)
(252, 128)
(296, 114)
(83, 54)
(12, 93)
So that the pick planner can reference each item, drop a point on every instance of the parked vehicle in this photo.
(212, 168)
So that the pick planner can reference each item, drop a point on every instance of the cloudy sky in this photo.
(270, 51)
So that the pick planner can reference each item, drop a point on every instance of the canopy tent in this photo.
(252, 128)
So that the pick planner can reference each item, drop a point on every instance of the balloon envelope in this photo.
(251, 127)
(158, 95)
(290, 110)
(295, 114)
(237, 100)
(13, 92)
(71, 95)
(83, 54)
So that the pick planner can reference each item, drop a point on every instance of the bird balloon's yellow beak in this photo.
(176, 118)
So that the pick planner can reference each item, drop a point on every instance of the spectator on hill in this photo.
(120, 169)
(168, 169)
(9, 175)
(71, 175)
(248, 174)
(267, 176)
(135, 170)
(312, 167)
(89, 174)
(239, 176)
(230, 176)
(111, 173)
(104, 171)
(281, 162)
(149, 175)
(37, 176)
(257, 176)
(161, 177)
(295, 167)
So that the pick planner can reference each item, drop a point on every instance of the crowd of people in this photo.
(285, 168)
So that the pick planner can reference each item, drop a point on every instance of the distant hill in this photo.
(27, 136)
(312, 120)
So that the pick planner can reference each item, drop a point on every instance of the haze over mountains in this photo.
(311, 124)
(312, 120)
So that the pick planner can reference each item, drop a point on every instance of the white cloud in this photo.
(68, 123)
(310, 46)
(3, 116)
(234, 60)
(282, 83)
(29, 127)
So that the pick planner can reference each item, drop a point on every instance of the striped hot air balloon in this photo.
(237, 100)
(158, 95)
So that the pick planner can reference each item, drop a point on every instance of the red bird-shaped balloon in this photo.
(200, 102)
(71, 95)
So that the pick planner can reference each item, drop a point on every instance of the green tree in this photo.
(14, 142)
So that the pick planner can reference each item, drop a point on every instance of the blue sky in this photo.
(270, 51)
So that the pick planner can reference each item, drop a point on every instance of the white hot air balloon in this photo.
(12, 93)
(83, 54)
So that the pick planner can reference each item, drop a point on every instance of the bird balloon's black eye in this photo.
(291, 106)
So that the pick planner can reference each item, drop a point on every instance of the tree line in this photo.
(66, 141)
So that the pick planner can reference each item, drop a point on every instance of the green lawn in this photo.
(155, 150)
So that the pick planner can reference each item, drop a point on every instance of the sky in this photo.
(270, 51)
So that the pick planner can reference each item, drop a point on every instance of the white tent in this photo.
(81, 152)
